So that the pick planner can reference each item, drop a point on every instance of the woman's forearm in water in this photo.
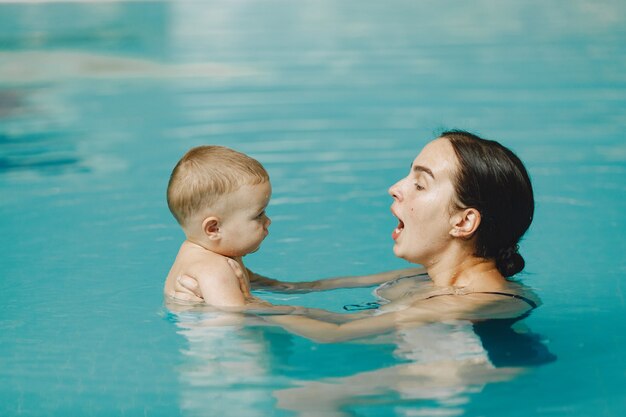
(325, 332)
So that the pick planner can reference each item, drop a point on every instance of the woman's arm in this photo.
(186, 288)
(260, 282)
(471, 307)
(325, 332)
(365, 280)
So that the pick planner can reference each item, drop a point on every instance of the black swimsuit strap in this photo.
(374, 304)
(517, 296)
(371, 305)
(421, 274)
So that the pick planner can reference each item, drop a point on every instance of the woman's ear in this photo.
(211, 227)
(465, 223)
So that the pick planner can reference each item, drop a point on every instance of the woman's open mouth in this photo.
(396, 232)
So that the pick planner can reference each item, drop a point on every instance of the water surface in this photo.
(99, 100)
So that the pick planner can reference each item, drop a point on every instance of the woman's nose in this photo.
(394, 191)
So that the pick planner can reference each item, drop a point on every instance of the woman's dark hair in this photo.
(493, 180)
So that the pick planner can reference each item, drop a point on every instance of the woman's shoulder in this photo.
(510, 301)
(402, 287)
(520, 291)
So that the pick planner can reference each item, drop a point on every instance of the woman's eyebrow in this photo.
(420, 168)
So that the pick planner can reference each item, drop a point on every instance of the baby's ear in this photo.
(211, 227)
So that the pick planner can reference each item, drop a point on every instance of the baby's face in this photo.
(244, 223)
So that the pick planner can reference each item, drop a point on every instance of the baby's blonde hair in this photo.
(206, 173)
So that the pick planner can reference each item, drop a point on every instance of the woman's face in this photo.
(422, 202)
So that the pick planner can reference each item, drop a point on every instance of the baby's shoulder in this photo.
(209, 266)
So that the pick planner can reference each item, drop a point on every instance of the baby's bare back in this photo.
(219, 285)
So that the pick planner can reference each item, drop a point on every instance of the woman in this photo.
(461, 210)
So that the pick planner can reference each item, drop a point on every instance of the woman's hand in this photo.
(187, 288)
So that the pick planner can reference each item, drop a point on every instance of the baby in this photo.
(218, 196)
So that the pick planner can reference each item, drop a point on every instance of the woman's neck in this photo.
(471, 272)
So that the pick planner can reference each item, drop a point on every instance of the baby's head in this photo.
(218, 196)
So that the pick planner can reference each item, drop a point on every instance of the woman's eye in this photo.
(418, 187)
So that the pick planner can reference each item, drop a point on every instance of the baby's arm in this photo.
(219, 286)
(225, 286)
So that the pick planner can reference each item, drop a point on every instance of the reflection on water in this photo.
(32, 136)
(441, 365)
(224, 370)
(93, 25)
(57, 66)
(37, 152)
(10, 102)
(237, 366)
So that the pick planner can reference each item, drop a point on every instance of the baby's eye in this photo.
(261, 214)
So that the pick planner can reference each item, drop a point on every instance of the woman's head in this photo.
(491, 178)
(467, 191)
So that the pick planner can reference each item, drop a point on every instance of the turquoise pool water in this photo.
(99, 100)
